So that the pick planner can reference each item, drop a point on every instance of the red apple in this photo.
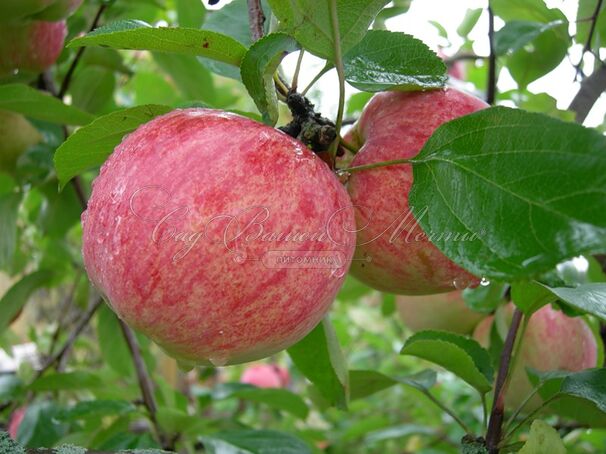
(30, 46)
(393, 254)
(552, 341)
(446, 312)
(456, 69)
(18, 135)
(60, 9)
(15, 422)
(481, 332)
(222, 239)
(12, 10)
(266, 376)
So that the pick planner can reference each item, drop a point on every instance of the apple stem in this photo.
(295, 78)
(495, 423)
(376, 165)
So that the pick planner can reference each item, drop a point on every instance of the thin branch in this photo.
(82, 324)
(70, 72)
(493, 434)
(295, 77)
(491, 88)
(145, 383)
(317, 77)
(448, 411)
(587, 47)
(256, 19)
(63, 311)
(591, 89)
(336, 36)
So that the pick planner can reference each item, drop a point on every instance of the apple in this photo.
(456, 69)
(12, 10)
(393, 254)
(60, 9)
(552, 341)
(15, 422)
(446, 312)
(266, 376)
(18, 135)
(481, 332)
(30, 46)
(222, 239)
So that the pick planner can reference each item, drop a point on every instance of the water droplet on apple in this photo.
(100, 240)
(240, 257)
(343, 176)
(221, 332)
(460, 283)
(484, 282)
(219, 360)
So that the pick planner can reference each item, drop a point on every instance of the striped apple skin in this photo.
(241, 187)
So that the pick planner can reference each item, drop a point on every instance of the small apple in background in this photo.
(60, 9)
(13, 10)
(456, 69)
(15, 422)
(30, 46)
(266, 376)
(17, 135)
(186, 234)
(552, 341)
(392, 253)
(446, 311)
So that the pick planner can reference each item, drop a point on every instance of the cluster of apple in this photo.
(32, 33)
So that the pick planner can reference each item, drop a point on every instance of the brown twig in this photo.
(70, 72)
(63, 311)
(145, 383)
(491, 88)
(256, 19)
(82, 324)
(587, 47)
(495, 424)
(591, 89)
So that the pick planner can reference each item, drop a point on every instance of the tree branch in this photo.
(70, 72)
(493, 434)
(491, 88)
(587, 47)
(591, 89)
(82, 324)
(145, 383)
(256, 19)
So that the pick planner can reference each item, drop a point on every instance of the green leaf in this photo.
(280, 399)
(254, 442)
(399, 431)
(95, 408)
(386, 60)
(516, 34)
(9, 208)
(91, 145)
(485, 298)
(39, 427)
(67, 381)
(93, 88)
(585, 11)
(16, 297)
(469, 22)
(309, 22)
(138, 35)
(40, 106)
(529, 297)
(590, 298)
(194, 81)
(257, 70)
(356, 102)
(534, 10)
(511, 161)
(318, 356)
(546, 53)
(363, 383)
(190, 13)
(543, 439)
(114, 350)
(460, 355)
(589, 385)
